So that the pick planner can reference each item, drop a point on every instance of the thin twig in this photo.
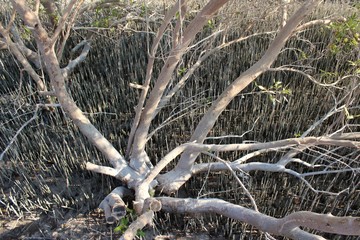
(236, 177)
(24, 125)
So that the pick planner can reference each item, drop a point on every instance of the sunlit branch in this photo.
(311, 78)
(287, 226)
(101, 169)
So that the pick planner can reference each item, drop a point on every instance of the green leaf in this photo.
(278, 85)
(303, 55)
(123, 225)
(297, 135)
(140, 233)
(211, 24)
(262, 88)
(181, 71)
(286, 91)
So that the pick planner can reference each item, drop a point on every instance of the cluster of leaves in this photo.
(346, 34)
(125, 222)
(103, 17)
(355, 65)
(276, 92)
(346, 40)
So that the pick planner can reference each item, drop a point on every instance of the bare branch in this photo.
(290, 142)
(287, 226)
(311, 78)
(102, 169)
(208, 120)
(60, 49)
(19, 56)
(317, 22)
(166, 72)
(73, 63)
(235, 136)
(149, 69)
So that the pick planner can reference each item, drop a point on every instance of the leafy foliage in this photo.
(276, 92)
(125, 222)
(347, 34)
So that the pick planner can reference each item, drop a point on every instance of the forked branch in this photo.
(208, 120)
(167, 71)
(149, 70)
(20, 57)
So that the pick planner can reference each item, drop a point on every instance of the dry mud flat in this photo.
(89, 226)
